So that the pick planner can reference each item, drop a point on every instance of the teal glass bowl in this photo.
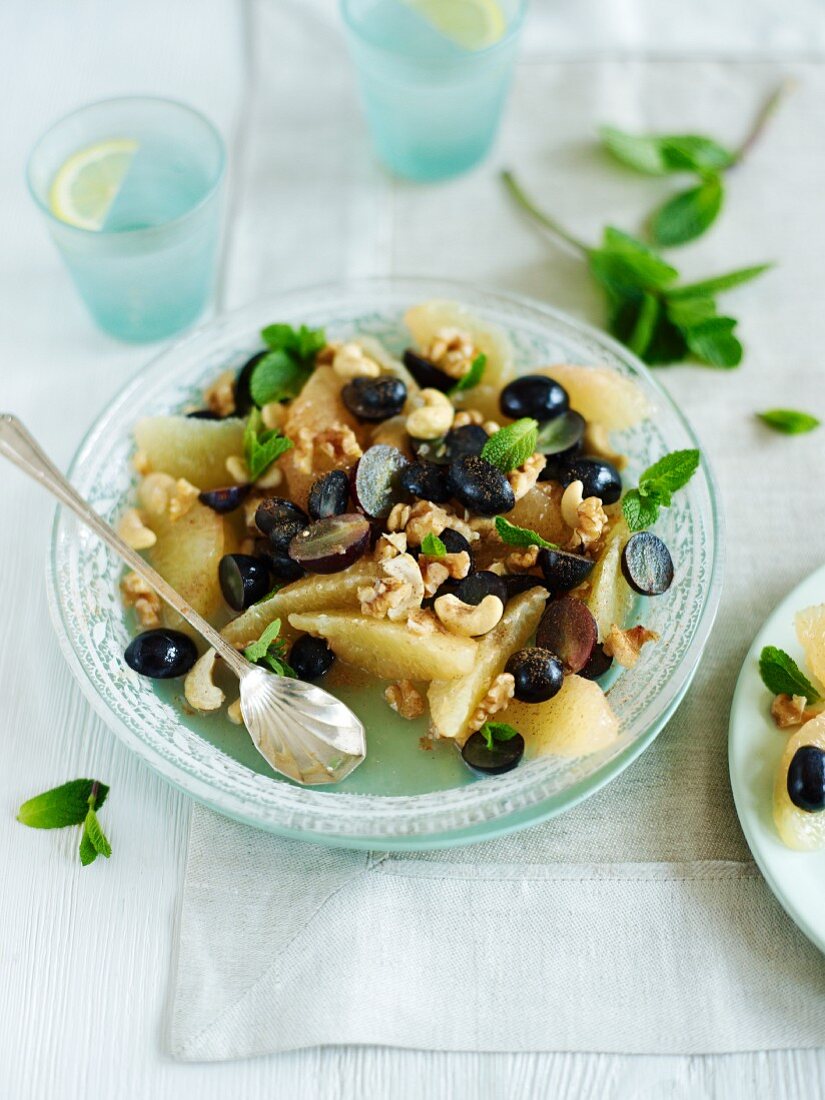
(402, 797)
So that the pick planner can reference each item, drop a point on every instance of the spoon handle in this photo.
(19, 447)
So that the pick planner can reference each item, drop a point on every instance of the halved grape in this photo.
(563, 570)
(598, 664)
(502, 757)
(329, 495)
(375, 481)
(562, 434)
(225, 500)
(332, 544)
(426, 373)
(647, 564)
(271, 512)
(244, 580)
(569, 630)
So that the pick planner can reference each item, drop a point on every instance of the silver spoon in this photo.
(300, 730)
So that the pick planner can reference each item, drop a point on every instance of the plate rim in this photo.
(525, 816)
(741, 711)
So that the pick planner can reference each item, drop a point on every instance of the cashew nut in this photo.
(351, 362)
(237, 470)
(134, 531)
(199, 688)
(466, 619)
(570, 501)
(432, 419)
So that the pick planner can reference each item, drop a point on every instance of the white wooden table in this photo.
(85, 954)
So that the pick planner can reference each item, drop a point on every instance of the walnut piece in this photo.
(522, 560)
(350, 361)
(390, 545)
(426, 518)
(398, 517)
(525, 477)
(587, 517)
(405, 699)
(789, 710)
(146, 602)
(499, 694)
(436, 570)
(155, 492)
(220, 396)
(473, 416)
(398, 592)
(625, 646)
(233, 713)
(332, 448)
(182, 499)
(452, 351)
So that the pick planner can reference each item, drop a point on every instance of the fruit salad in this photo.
(437, 521)
(797, 707)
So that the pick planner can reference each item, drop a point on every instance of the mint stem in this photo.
(763, 117)
(527, 205)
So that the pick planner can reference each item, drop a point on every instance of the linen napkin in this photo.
(637, 921)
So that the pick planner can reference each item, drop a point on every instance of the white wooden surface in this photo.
(85, 953)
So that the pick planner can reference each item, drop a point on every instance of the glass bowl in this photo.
(401, 797)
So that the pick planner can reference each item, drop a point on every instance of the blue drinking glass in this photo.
(433, 107)
(148, 269)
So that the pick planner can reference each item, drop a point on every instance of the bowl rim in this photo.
(281, 818)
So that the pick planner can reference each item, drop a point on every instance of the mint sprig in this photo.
(433, 546)
(782, 675)
(647, 310)
(687, 214)
(72, 803)
(510, 447)
(282, 373)
(472, 377)
(513, 535)
(497, 731)
(262, 446)
(269, 650)
(656, 488)
(789, 421)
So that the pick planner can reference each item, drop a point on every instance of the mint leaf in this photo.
(63, 805)
(432, 546)
(695, 153)
(686, 312)
(262, 446)
(472, 377)
(781, 674)
(713, 342)
(512, 535)
(688, 214)
(624, 263)
(643, 152)
(510, 447)
(279, 376)
(672, 472)
(639, 512)
(658, 155)
(715, 285)
(789, 421)
(87, 850)
(656, 487)
(497, 731)
(303, 342)
(269, 650)
(97, 838)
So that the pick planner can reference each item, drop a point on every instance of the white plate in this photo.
(755, 746)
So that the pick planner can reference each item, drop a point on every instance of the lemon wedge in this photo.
(87, 184)
(471, 24)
